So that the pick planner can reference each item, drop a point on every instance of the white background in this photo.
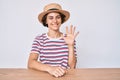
(98, 44)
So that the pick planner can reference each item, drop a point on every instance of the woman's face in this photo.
(54, 21)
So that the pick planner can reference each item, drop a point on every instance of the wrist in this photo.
(70, 45)
(48, 68)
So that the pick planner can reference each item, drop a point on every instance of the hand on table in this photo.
(56, 71)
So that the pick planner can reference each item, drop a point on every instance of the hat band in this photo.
(53, 9)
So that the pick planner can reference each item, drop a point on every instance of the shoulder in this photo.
(40, 36)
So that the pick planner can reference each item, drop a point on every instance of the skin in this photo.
(54, 22)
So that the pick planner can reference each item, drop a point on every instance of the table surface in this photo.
(72, 74)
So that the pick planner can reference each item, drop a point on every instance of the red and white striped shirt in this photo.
(51, 51)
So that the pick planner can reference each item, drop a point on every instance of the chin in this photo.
(56, 29)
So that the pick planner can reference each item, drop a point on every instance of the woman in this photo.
(53, 51)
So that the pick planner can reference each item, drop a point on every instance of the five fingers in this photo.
(71, 31)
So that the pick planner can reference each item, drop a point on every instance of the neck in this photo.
(54, 34)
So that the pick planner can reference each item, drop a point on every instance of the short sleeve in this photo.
(36, 45)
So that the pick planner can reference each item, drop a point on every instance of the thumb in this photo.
(63, 36)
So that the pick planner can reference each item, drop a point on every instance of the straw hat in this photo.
(53, 7)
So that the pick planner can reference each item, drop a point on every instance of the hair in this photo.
(45, 17)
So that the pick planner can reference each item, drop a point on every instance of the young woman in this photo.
(53, 51)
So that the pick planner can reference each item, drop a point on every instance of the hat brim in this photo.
(66, 13)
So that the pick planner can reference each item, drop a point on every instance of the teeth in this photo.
(55, 24)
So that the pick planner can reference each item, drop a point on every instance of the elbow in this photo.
(30, 65)
(72, 65)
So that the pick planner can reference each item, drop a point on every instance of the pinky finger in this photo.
(76, 34)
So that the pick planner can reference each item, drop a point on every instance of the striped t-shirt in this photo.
(51, 51)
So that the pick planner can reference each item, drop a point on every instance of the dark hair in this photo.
(45, 17)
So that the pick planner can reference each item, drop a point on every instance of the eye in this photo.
(51, 17)
(58, 17)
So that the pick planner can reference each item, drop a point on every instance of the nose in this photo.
(55, 20)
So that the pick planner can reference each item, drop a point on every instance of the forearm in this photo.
(34, 64)
(53, 70)
(71, 57)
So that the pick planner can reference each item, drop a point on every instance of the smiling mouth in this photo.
(55, 24)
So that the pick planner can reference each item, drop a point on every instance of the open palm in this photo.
(70, 35)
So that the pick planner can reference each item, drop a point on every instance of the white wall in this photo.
(98, 44)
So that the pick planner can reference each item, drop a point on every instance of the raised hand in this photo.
(70, 35)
